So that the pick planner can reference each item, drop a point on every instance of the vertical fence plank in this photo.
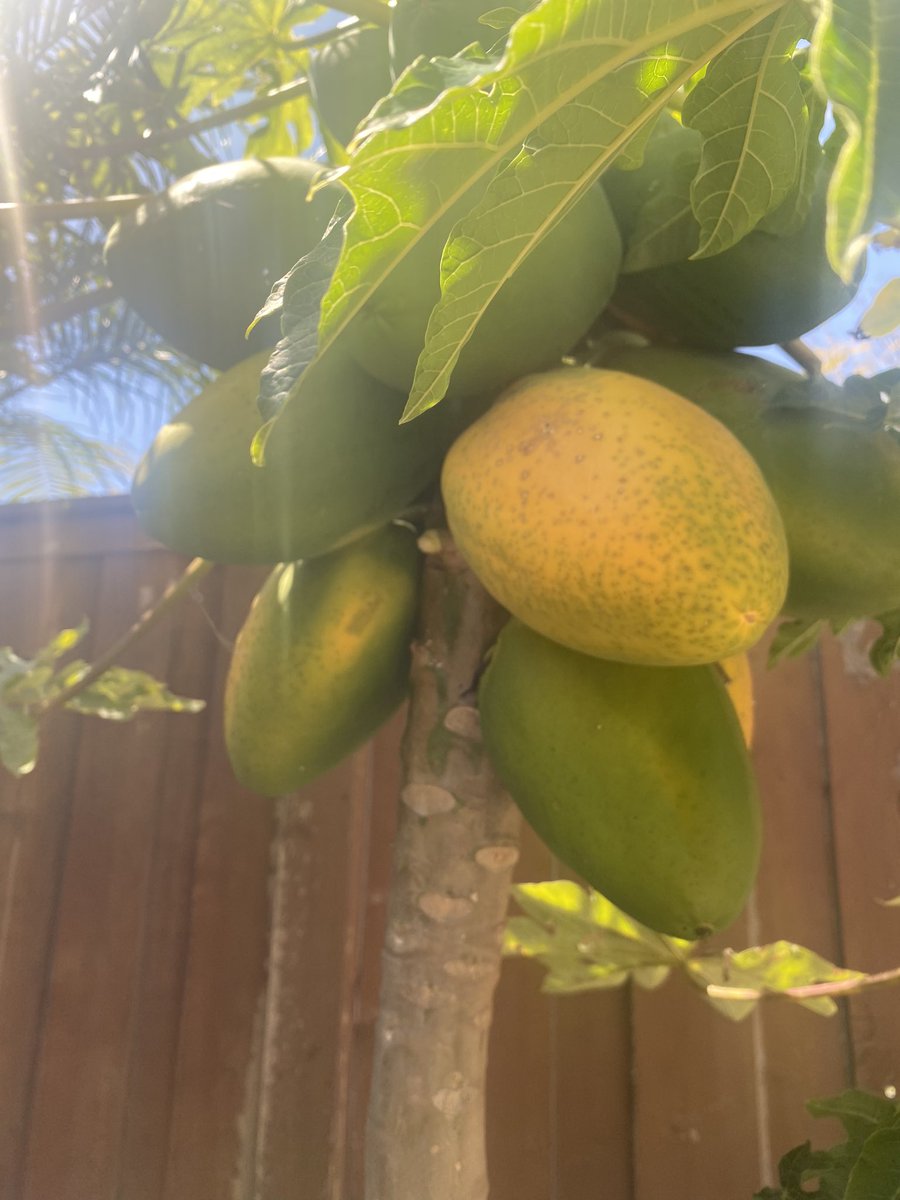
(215, 1097)
(863, 726)
(799, 1055)
(36, 599)
(157, 996)
(80, 1081)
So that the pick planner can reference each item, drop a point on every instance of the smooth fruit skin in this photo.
(766, 289)
(618, 519)
(835, 481)
(535, 318)
(198, 260)
(321, 661)
(338, 465)
(636, 777)
(347, 77)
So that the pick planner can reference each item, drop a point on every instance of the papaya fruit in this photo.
(768, 288)
(636, 777)
(538, 314)
(338, 465)
(618, 519)
(321, 661)
(835, 479)
(347, 76)
(198, 260)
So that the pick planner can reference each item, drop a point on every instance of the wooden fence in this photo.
(188, 974)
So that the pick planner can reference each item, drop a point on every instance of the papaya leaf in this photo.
(885, 649)
(750, 109)
(588, 78)
(876, 1173)
(789, 217)
(120, 694)
(299, 296)
(666, 229)
(584, 942)
(856, 65)
(579, 79)
(795, 637)
(769, 969)
(883, 314)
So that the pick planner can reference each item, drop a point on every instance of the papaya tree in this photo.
(480, 297)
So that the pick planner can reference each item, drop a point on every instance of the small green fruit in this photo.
(338, 465)
(198, 260)
(636, 777)
(321, 661)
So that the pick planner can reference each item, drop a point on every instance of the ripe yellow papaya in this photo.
(198, 260)
(767, 288)
(321, 661)
(636, 777)
(836, 480)
(618, 519)
(338, 464)
(536, 317)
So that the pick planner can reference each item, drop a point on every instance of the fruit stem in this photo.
(454, 853)
(193, 573)
(803, 356)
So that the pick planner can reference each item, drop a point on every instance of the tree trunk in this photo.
(453, 858)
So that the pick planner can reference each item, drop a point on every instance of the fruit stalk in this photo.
(455, 850)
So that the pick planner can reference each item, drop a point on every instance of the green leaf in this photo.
(581, 80)
(794, 637)
(750, 109)
(120, 694)
(876, 1175)
(856, 64)
(885, 649)
(62, 643)
(773, 968)
(883, 314)
(584, 942)
(861, 1113)
(18, 739)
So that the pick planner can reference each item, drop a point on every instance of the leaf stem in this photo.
(803, 356)
(809, 991)
(193, 573)
(68, 210)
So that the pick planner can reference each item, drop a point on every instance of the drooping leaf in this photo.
(750, 109)
(18, 739)
(856, 64)
(885, 649)
(883, 314)
(861, 1113)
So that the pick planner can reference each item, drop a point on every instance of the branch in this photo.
(193, 573)
(224, 116)
(455, 849)
(372, 11)
(803, 356)
(61, 310)
(68, 210)
(809, 991)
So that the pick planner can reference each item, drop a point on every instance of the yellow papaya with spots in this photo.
(618, 519)
(321, 661)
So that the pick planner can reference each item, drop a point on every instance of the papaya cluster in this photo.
(643, 521)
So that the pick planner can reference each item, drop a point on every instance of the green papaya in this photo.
(321, 661)
(347, 76)
(198, 260)
(536, 317)
(338, 464)
(766, 289)
(835, 479)
(636, 777)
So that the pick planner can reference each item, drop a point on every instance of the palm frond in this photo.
(42, 458)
